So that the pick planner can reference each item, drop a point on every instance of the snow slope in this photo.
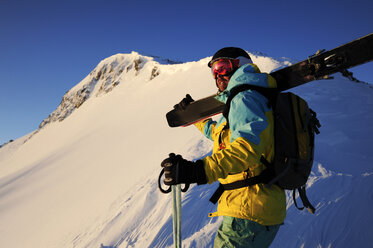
(87, 177)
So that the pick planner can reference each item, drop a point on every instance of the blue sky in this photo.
(47, 47)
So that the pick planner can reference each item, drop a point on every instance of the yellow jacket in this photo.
(249, 137)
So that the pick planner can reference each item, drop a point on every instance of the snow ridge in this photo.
(108, 74)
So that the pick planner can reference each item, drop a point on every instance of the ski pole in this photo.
(176, 208)
(176, 214)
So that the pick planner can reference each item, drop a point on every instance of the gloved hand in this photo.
(184, 103)
(178, 170)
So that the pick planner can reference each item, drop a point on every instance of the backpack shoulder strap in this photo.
(269, 93)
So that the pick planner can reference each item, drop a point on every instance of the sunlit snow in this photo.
(88, 177)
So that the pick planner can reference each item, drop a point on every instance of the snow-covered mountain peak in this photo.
(108, 74)
(268, 64)
(111, 72)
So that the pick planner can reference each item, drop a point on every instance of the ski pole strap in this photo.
(166, 191)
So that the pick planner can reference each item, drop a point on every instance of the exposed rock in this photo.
(70, 102)
(155, 72)
(103, 79)
(138, 65)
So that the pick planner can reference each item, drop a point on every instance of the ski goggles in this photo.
(224, 67)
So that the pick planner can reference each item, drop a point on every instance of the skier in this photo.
(251, 215)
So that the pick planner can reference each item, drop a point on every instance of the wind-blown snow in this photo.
(87, 177)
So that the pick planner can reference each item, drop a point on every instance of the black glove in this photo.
(178, 170)
(184, 103)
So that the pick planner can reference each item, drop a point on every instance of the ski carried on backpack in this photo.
(316, 67)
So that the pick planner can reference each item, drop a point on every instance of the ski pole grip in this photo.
(166, 191)
(160, 184)
(186, 187)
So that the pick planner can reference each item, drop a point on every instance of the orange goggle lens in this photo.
(224, 67)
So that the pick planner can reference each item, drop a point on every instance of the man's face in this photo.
(222, 82)
(222, 70)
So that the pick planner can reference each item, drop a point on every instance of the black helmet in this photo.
(231, 53)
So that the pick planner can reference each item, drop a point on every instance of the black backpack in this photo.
(295, 125)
